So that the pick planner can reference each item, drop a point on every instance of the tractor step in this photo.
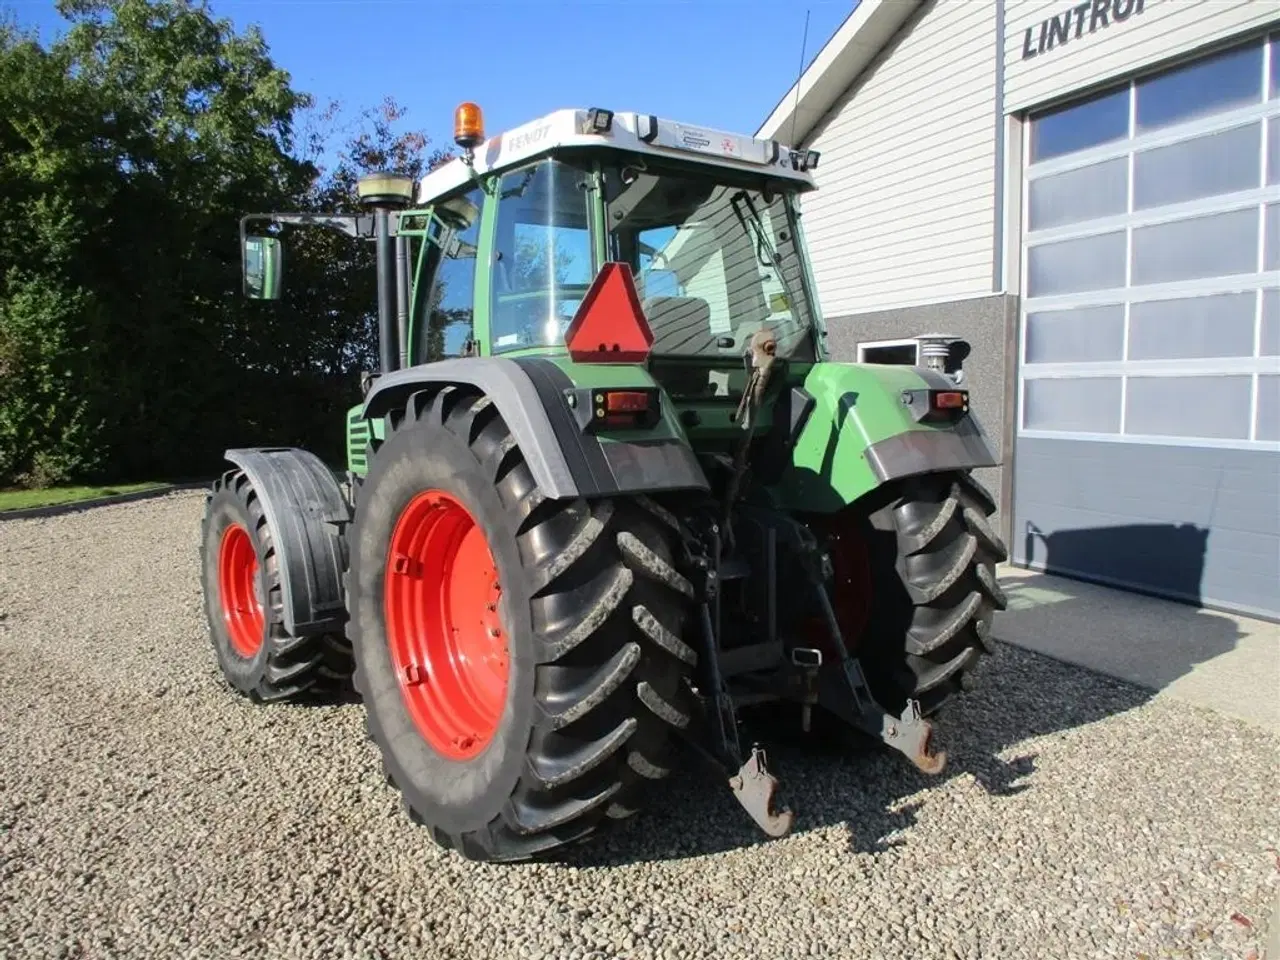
(755, 656)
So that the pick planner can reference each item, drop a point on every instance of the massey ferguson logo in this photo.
(1073, 23)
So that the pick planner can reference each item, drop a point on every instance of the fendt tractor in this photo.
(607, 492)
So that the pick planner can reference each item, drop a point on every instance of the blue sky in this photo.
(720, 63)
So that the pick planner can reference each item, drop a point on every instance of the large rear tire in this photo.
(245, 610)
(519, 658)
(916, 586)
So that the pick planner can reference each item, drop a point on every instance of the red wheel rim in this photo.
(851, 582)
(447, 643)
(851, 585)
(238, 591)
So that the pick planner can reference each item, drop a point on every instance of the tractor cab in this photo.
(706, 224)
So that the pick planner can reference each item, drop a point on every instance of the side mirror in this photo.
(263, 259)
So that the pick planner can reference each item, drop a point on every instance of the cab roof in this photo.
(635, 132)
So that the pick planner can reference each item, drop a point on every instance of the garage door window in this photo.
(1151, 307)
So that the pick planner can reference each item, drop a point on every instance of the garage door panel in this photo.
(1215, 325)
(1081, 405)
(1227, 161)
(1148, 444)
(1272, 259)
(1085, 193)
(1202, 88)
(1212, 245)
(1167, 537)
(1269, 408)
(1076, 335)
(1077, 266)
(1269, 338)
(1215, 407)
(1204, 486)
(1273, 153)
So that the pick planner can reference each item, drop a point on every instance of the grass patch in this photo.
(55, 496)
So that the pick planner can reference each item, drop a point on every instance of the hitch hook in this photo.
(913, 735)
(753, 786)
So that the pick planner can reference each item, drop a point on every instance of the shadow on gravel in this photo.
(1018, 695)
(877, 794)
(344, 697)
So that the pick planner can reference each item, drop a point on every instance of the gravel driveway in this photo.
(146, 812)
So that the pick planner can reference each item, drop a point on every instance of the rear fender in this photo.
(533, 396)
(864, 431)
(307, 514)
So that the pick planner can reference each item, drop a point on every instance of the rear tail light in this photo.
(623, 408)
(933, 406)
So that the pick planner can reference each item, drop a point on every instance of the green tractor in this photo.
(606, 492)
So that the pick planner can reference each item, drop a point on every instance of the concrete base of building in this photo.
(1219, 661)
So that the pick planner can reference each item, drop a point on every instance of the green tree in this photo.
(56, 174)
(129, 149)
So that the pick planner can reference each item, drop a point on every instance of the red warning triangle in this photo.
(610, 326)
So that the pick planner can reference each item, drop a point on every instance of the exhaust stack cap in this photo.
(945, 353)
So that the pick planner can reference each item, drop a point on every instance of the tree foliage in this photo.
(129, 149)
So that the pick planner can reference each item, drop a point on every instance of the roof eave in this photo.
(864, 33)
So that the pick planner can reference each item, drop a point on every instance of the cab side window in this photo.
(542, 260)
(450, 306)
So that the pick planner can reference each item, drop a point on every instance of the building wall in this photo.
(919, 226)
(907, 180)
(1124, 36)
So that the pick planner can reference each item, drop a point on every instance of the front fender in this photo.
(307, 514)
(861, 434)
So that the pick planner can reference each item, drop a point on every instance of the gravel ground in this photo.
(146, 812)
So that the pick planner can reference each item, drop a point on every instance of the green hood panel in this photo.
(861, 434)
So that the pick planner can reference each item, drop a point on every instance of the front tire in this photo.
(524, 710)
(245, 610)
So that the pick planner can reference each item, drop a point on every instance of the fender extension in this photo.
(307, 513)
(531, 394)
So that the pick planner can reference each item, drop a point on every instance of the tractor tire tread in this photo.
(610, 686)
(947, 551)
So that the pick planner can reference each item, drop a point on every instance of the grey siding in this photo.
(905, 211)
(1162, 29)
(988, 323)
(1190, 523)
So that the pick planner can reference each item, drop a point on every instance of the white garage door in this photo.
(1148, 445)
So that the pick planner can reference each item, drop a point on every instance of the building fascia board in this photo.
(864, 33)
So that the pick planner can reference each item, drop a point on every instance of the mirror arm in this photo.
(360, 227)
